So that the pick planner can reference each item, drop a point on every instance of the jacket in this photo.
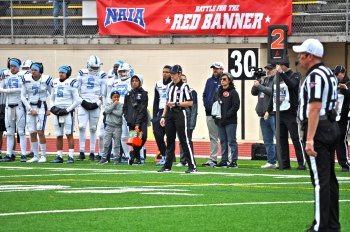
(264, 92)
(292, 80)
(345, 108)
(229, 105)
(114, 114)
(192, 111)
(211, 87)
(135, 107)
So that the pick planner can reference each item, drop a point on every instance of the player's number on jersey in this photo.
(60, 91)
(36, 89)
(13, 83)
(90, 84)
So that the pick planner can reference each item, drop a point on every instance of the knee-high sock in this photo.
(93, 136)
(82, 139)
(23, 140)
(10, 142)
(43, 149)
(35, 148)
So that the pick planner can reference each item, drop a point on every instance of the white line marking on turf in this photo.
(167, 193)
(155, 207)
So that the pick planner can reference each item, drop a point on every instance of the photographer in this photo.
(263, 89)
(289, 93)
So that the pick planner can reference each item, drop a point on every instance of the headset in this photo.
(41, 66)
(14, 59)
(69, 71)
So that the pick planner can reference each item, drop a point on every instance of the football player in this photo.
(91, 86)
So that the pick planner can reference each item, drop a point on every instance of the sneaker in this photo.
(70, 160)
(124, 159)
(268, 165)
(81, 156)
(191, 170)
(131, 161)
(98, 157)
(142, 161)
(180, 165)
(92, 156)
(161, 162)
(164, 170)
(137, 163)
(33, 160)
(209, 163)
(58, 160)
(23, 158)
(30, 154)
(13, 157)
(42, 159)
(301, 167)
(345, 169)
(102, 161)
(222, 164)
(233, 164)
(7, 158)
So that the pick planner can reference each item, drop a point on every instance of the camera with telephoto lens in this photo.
(258, 72)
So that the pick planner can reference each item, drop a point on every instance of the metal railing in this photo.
(28, 20)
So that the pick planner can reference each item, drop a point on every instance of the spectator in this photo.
(343, 120)
(64, 99)
(135, 113)
(160, 95)
(211, 86)
(57, 6)
(263, 89)
(318, 101)
(289, 93)
(191, 113)
(227, 124)
(36, 87)
(174, 120)
(113, 128)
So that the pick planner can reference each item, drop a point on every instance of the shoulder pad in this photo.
(73, 83)
(83, 72)
(103, 74)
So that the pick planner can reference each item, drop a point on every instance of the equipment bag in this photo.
(259, 151)
(135, 138)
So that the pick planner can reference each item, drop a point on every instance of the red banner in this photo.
(221, 17)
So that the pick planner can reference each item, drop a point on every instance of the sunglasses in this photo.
(224, 79)
(336, 74)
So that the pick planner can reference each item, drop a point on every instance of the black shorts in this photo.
(2, 125)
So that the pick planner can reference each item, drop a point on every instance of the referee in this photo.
(318, 100)
(174, 118)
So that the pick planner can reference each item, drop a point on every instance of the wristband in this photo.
(163, 116)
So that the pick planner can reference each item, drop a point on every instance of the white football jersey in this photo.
(13, 81)
(65, 93)
(122, 87)
(91, 87)
(37, 90)
(162, 91)
(107, 92)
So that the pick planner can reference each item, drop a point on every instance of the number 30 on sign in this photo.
(239, 61)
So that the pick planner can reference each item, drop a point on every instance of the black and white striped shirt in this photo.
(320, 85)
(179, 92)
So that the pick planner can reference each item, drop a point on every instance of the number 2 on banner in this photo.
(279, 42)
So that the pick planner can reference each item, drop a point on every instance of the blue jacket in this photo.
(209, 91)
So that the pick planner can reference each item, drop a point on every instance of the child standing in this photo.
(113, 128)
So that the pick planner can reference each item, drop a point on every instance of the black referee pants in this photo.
(342, 148)
(323, 178)
(176, 122)
(288, 122)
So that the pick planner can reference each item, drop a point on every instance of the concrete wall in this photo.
(148, 60)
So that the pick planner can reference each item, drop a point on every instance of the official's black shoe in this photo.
(222, 164)
(164, 170)
(58, 160)
(92, 156)
(191, 170)
(137, 163)
(131, 161)
(30, 154)
(81, 156)
(345, 169)
(301, 167)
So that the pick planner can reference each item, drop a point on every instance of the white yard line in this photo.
(154, 207)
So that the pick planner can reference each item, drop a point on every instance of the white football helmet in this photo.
(125, 75)
(26, 65)
(94, 65)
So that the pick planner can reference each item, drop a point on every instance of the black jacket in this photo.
(345, 108)
(229, 106)
(135, 107)
(292, 80)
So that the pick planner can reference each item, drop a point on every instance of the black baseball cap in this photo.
(339, 69)
(270, 66)
(176, 69)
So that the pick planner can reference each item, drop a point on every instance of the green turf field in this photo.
(88, 197)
